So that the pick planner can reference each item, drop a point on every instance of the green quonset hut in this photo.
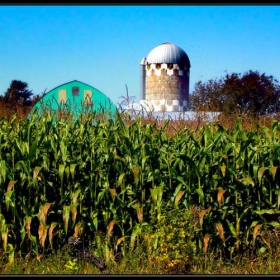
(75, 97)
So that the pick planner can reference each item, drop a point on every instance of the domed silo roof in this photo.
(168, 53)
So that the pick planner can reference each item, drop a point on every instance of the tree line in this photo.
(252, 93)
(17, 100)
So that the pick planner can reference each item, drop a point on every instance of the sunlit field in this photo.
(144, 196)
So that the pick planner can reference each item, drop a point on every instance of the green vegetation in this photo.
(17, 99)
(147, 197)
(251, 93)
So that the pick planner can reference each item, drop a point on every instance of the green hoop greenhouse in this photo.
(75, 97)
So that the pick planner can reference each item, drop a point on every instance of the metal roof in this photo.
(143, 61)
(168, 53)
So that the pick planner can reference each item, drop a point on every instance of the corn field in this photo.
(70, 177)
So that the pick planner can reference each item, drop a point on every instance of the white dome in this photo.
(168, 53)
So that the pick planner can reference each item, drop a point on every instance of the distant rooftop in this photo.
(137, 109)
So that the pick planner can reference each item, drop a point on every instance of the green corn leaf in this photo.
(3, 171)
(181, 180)
(120, 180)
(9, 199)
(24, 166)
(178, 198)
(66, 216)
(74, 212)
(201, 195)
(4, 235)
(247, 181)
(22, 235)
(159, 195)
(255, 171)
(273, 171)
(50, 232)
(35, 243)
(231, 228)
(275, 224)
(143, 162)
(254, 223)
(72, 170)
(75, 196)
(154, 194)
(61, 169)
(67, 172)
(36, 171)
(244, 213)
(261, 173)
(268, 211)
(135, 233)
(32, 152)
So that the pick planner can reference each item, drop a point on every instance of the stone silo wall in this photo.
(167, 87)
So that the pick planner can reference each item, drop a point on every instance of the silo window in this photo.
(75, 91)
(169, 65)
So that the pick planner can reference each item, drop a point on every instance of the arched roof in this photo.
(168, 53)
(74, 95)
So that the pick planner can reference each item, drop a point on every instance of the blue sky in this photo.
(46, 46)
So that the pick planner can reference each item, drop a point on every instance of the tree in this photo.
(18, 94)
(16, 100)
(250, 93)
(206, 96)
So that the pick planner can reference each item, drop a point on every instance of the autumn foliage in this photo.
(17, 100)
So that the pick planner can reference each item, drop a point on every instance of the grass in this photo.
(137, 263)
(167, 249)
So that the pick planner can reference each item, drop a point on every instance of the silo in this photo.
(142, 78)
(167, 78)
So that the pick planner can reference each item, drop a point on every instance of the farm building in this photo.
(164, 79)
(164, 86)
(75, 97)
